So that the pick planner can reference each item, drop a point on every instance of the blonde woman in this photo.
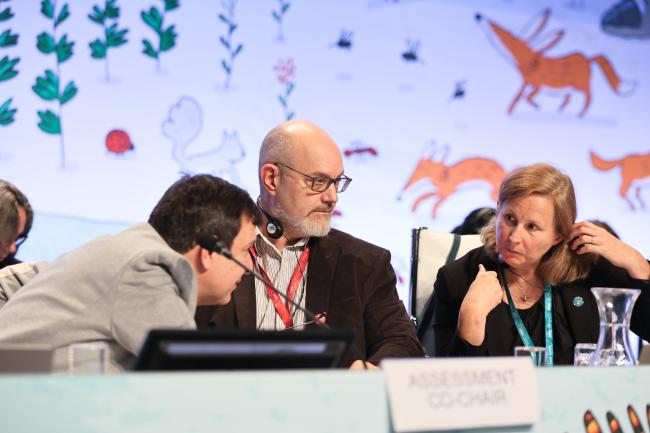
(530, 282)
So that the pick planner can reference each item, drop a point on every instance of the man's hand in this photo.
(358, 365)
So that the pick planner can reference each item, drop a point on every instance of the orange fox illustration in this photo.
(633, 169)
(572, 71)
(447, 178)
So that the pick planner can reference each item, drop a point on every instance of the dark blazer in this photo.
(350, 279)
(572, 323)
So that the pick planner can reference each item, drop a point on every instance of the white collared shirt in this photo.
(279, 267)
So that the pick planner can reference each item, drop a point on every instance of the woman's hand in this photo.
(483, 295)
(587, 237)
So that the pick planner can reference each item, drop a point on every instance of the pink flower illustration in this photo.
(285, 70)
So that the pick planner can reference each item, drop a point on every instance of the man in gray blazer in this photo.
(116, 288)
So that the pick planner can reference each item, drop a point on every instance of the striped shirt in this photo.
(279, 267)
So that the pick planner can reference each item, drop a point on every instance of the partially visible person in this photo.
(16, 217)
(14, 277)
(324, 270)
(535, 252)
(475, 221)
(117, 288)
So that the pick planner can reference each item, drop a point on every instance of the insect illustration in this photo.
(459, 90)
(361, 151)
(345, 40)
(118, 141)
(411, 54)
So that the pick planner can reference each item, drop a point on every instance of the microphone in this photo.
(215, 245)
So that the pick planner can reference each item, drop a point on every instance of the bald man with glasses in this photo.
(348, 281)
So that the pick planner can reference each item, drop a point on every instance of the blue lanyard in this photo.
(548, 319)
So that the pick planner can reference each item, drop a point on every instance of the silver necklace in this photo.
(523, 295)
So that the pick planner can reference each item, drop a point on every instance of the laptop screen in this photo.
(242, 350)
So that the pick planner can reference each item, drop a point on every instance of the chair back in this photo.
(430, 250)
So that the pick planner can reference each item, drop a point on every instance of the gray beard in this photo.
(300, 227)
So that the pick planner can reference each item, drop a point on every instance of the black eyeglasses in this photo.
(18, 242)
(321, 183)
(20, 239)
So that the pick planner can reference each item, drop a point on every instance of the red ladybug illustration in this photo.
(118, 141)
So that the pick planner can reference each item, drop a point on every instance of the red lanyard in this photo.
(280, 307)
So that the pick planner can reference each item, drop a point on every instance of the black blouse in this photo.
(574, 309)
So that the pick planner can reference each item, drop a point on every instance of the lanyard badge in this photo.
(548, 319)
(282, 308)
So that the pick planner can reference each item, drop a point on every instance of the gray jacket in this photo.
(16, 276)
(113, 289)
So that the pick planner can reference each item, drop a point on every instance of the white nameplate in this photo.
(461, 393)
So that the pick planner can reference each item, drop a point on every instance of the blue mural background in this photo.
(394, 82)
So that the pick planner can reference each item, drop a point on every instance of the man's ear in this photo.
(269, 175)
(204, 259)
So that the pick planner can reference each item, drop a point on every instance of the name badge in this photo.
(461, 393)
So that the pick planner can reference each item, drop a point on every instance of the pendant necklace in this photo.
(523, 295)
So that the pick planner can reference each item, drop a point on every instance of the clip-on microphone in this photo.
(216, 245)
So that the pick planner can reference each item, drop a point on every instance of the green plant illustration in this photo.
(48, 86)
(232, 49)
(278, 16)
(7, 65)
(155, 19)
(113, 36)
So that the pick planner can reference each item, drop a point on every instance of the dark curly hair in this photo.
(200, 204)
(12, 199)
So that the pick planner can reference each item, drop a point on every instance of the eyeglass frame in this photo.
(18, 241)
(346, 180)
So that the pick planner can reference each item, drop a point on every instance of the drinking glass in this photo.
(87, 358)
(537, 354)
(582, 354)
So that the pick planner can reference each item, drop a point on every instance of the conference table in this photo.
(310, 401)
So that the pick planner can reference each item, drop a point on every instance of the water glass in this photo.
(537, 354)
(87, 358)
(582, 354)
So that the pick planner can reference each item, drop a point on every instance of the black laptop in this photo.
(242, 350)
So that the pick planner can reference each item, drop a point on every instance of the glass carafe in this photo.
(615, 309)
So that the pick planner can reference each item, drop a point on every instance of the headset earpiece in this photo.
(273, 226)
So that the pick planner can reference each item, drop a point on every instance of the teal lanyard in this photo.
(548, 319)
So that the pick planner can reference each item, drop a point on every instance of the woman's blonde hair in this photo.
(559, 264)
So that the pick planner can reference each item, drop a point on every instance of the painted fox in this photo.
(538, 70)
(448, 178)
(634, 168)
